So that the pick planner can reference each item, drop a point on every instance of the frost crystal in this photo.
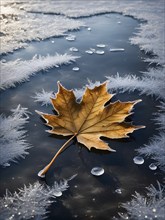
(150, 207)
(31, 201)
(12, 136)
(18, 71)
(43, 97)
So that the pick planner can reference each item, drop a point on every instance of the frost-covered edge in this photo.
(31, 202)
(19, 71)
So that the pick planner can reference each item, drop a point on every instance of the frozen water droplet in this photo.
(6, 164)
(89, 51)
(97, 171)
(118, 191)
(57, 193)
(100, 52)
(76, 68)
(89, 29)
(70, 37)
(152, 166)
(154, 210)
(100, 45)
(52, 41)
(40, 174)
(138, 160)
(74, 49)
(119, 22)
(117, 50)
(6, 206)
(19, 213)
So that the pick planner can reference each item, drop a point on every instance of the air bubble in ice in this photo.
(57, 193)
(100, 52)
(73, 49)
(89, 51)
(138, 160)
(89, 29)
(152, 166)
(117, 50)
(76, 68)
(100, 45)
(6, 164)
(118, 191)
(52, 41)
(70, 37)
(40, 174)
(97, 171)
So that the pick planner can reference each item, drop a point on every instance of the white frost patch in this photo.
(151, 83)
(150, 207)
(12, 136)
(31, 201)
(18, 71)
(18, 29)
(155, 149)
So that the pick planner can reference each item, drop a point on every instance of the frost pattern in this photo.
(12, 136)
(150, 207)
(18, 27)
(18, 71)
(151, 83)
(43, 97)
(150, 36)
(31, 201)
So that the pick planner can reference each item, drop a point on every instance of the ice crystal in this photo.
(43, 97)
(150, 207)
(12, 136)
(18, 71)
(31, 201)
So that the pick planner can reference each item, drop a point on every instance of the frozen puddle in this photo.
(94, 182)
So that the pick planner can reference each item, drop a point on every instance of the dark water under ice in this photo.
(89, 197)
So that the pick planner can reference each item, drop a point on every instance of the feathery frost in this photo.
(30, 202)
(142, 207)
(18, 71)
(12, 136)
(151, 83)
(43, 97)
(20, 27)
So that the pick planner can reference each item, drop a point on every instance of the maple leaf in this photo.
(88, 120)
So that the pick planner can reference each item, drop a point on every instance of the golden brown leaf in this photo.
(91, 118)
(88, 120)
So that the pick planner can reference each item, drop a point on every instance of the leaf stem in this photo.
(46, 168)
